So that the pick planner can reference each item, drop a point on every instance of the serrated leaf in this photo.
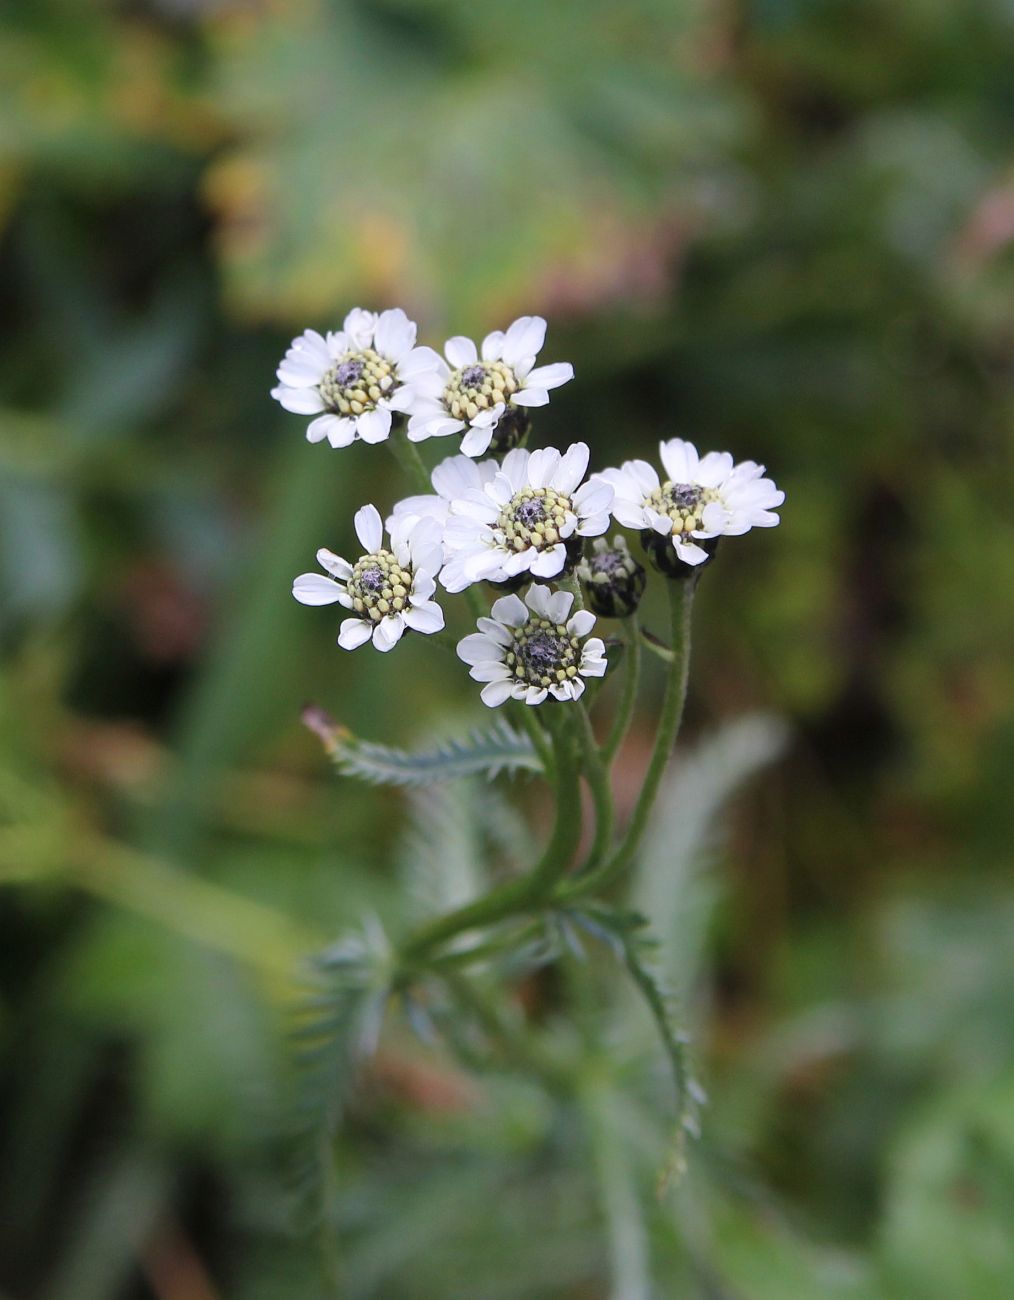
(498, 748)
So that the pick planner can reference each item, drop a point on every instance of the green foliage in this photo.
(781, 228)
(486, 752)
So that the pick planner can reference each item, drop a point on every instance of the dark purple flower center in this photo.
(349, 372)
(473, 376)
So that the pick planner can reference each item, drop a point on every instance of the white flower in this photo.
(389, 590)
(522, 520)
(530, 649)
(453, 478)
(353, 379)
(472, 393)
(702, 497)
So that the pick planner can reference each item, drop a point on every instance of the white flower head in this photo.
(353, 379)
(389, 591)
(453, 478)
(533, 648)
(525, 519)
(474, 389)
(702, 497)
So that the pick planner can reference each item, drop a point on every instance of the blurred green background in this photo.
(780, 227)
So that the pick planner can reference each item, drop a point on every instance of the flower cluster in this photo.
(515, 519)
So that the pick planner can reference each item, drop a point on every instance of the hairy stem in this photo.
(628, 698)
(681, 595)
(597, 775)
(407, 455)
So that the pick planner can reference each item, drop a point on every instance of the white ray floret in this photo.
(452, 479)
(701, 497)
(353, 379)
(533, 648)
(388, 591)
(471, 390)
(522, 519)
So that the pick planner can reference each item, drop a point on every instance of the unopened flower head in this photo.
(388, 590)
(612, 579)
(474, 390)
(529, 518)
(353, 379)
(702, 497)
(533, 648)
(452, 479)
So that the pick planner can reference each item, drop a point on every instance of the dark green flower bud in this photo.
(612, 579)
(511, 431)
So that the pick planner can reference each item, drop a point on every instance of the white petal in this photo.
(531, 397)
(315, 589)
(388, 632)
(689, 553)
(572, 468)
(581, 623)
(301, 401)
(354, 632)
(394, 336)
(478, 649)
(515, 468)
(334, 564)
(551, 376)
(342, 433)
(433, 427)
(360, 325)
(548, 563)
(477, 440)
(559, 606)
(680, 460)
(542, 466)
(595, 496)
(630, 515)
(524, 339)
(492, 345)
(537, 600)
(422, 361)
(535, 695)
(374, 426)
(495, 693)
(511, 610)
(455, 476)
(369, 528)
(460, 352)
(318, 429)
(428, 617)
(490, 671)
(495, 631)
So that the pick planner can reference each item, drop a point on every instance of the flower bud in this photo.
(511, 431)
(612, 579)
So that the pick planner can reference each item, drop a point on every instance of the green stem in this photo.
(407, 455)
(655, 645)
(517, 1047)
(681, 595)
(597, 776)
(628, 698)
(524, 893)
(531, 724)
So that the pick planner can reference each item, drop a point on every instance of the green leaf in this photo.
(488, 752)
(336, 1028)
(624, 934)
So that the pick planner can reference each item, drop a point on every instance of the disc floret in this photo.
(357, 382)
